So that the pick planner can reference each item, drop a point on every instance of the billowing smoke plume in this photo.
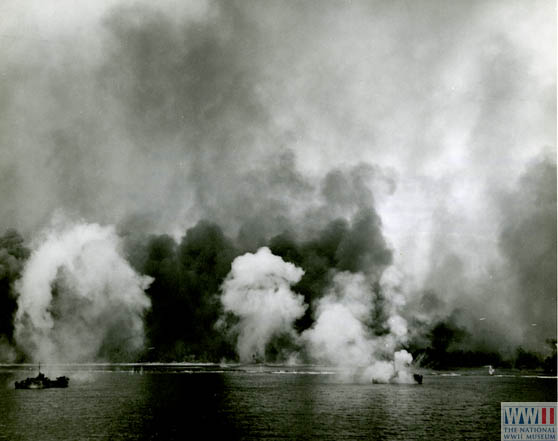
(528, 244)
(343, 334)
(13, 254)
(258, 291)
(467, 305)
(358, 137)
(79, 299)
(356, 326)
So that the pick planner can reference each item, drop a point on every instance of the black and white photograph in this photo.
(278, 220)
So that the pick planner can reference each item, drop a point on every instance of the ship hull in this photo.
(42, 382)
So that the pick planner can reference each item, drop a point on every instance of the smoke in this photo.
(13, 254)
(528, 244)
(362, 137)
(514, 283)
(343, 334)
(79, 299)
(185, 297)
(258, 291)
(357, 326)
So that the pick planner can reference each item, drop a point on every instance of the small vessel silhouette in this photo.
(41, 382)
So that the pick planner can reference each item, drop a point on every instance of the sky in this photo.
(263, 116)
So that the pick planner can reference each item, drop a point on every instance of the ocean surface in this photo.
(212, 402)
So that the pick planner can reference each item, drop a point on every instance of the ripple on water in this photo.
(261, 405)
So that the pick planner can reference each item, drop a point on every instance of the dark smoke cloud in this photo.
(186, 94)
(374, 137)
(188, 275)
(149, 106)
(185, 292)
(13, 254)
(518, 287)
(528, 242)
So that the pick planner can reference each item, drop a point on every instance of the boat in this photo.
(42, 382)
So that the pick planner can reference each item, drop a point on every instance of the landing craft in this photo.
(42, 382)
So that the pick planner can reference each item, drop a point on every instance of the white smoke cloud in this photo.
(78, 296)
(257, 290)
(429, 91)
(342, 334)
(339, 335)
(395, 371)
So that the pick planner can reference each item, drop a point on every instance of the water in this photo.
(177, 403)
